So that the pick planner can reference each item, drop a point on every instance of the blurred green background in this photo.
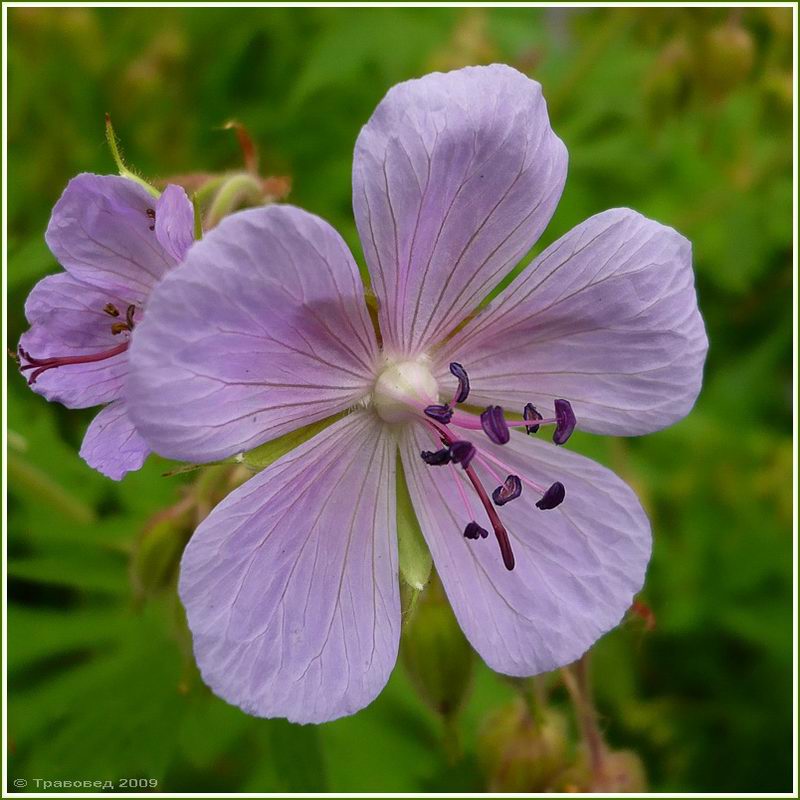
(683, 114)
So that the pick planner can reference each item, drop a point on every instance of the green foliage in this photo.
(683, 114)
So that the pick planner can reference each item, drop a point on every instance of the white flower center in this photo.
(402, 390)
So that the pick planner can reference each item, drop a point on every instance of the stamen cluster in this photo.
(442, 417)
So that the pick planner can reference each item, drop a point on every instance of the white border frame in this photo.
(4, 368)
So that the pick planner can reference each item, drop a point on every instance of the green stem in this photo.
(47, 491)
(576, 678)
(123, 170)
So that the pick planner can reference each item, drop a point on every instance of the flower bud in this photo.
(157, 550)
(520, 753)
(728, 53)
(623, 771)
(666, 85)
(436, 654)
(619, 771)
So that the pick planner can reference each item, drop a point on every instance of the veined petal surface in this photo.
(606, 317)
(262, 329)
(102, 232)
(578, 566)
(454, 178)
(174, 225)
(67, 320)
(112, 445)
(290, 585)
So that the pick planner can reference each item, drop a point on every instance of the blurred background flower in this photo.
(683, 114)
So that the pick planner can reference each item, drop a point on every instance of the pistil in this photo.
(500, 532)
(40, 365)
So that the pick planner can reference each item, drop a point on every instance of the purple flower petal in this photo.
(112, 445)
(577, 569)
(454, 178)
(290, 585)
(174, 224)
(606, 317)
(100, 232)
(68, 320)
(262, 330)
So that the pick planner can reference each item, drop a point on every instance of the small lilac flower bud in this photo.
(530, 412)
(510, 490)
(436, 458)
(463, 381)
(565, 421)
(494, 425)
(553, 497)
(441, 413)
(462, 452)
(474, 531)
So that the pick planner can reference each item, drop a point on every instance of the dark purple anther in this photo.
(510, 490)
(441, 414)
(462, 452)
(530, 412)
(474, 531)
(437, 458)
(553, 497)
(494, 425)
(463, 381)
(565, 423)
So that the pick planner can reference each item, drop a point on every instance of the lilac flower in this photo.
(116, 241)
(291, 584)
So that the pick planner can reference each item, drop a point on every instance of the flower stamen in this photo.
(510, 489)
(462, 392)
(494, 425)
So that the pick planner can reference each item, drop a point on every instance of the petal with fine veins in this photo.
(67, 320)
(112, 445)
(578, 566)
(454, 178)
(606, 317)
(100, 233)
(174, 225)
(290, 585)
(263, 329)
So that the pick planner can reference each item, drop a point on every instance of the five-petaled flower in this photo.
(115, 241)
(291, 584)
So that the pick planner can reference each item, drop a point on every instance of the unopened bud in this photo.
(667, 83)
(616, 772)
(727, 57)
(623, 771)
(436, 654)
(521, 752)
(157, 551)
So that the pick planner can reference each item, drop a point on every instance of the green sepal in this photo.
(413, 554)
(265, 454)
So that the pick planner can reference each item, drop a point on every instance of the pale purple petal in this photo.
(606, 317)
(262, 330)
(454, 178)
(174, 222)
(290, 585)
(102, 231)
(112, 445)
(578, 566)
(67, 320)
